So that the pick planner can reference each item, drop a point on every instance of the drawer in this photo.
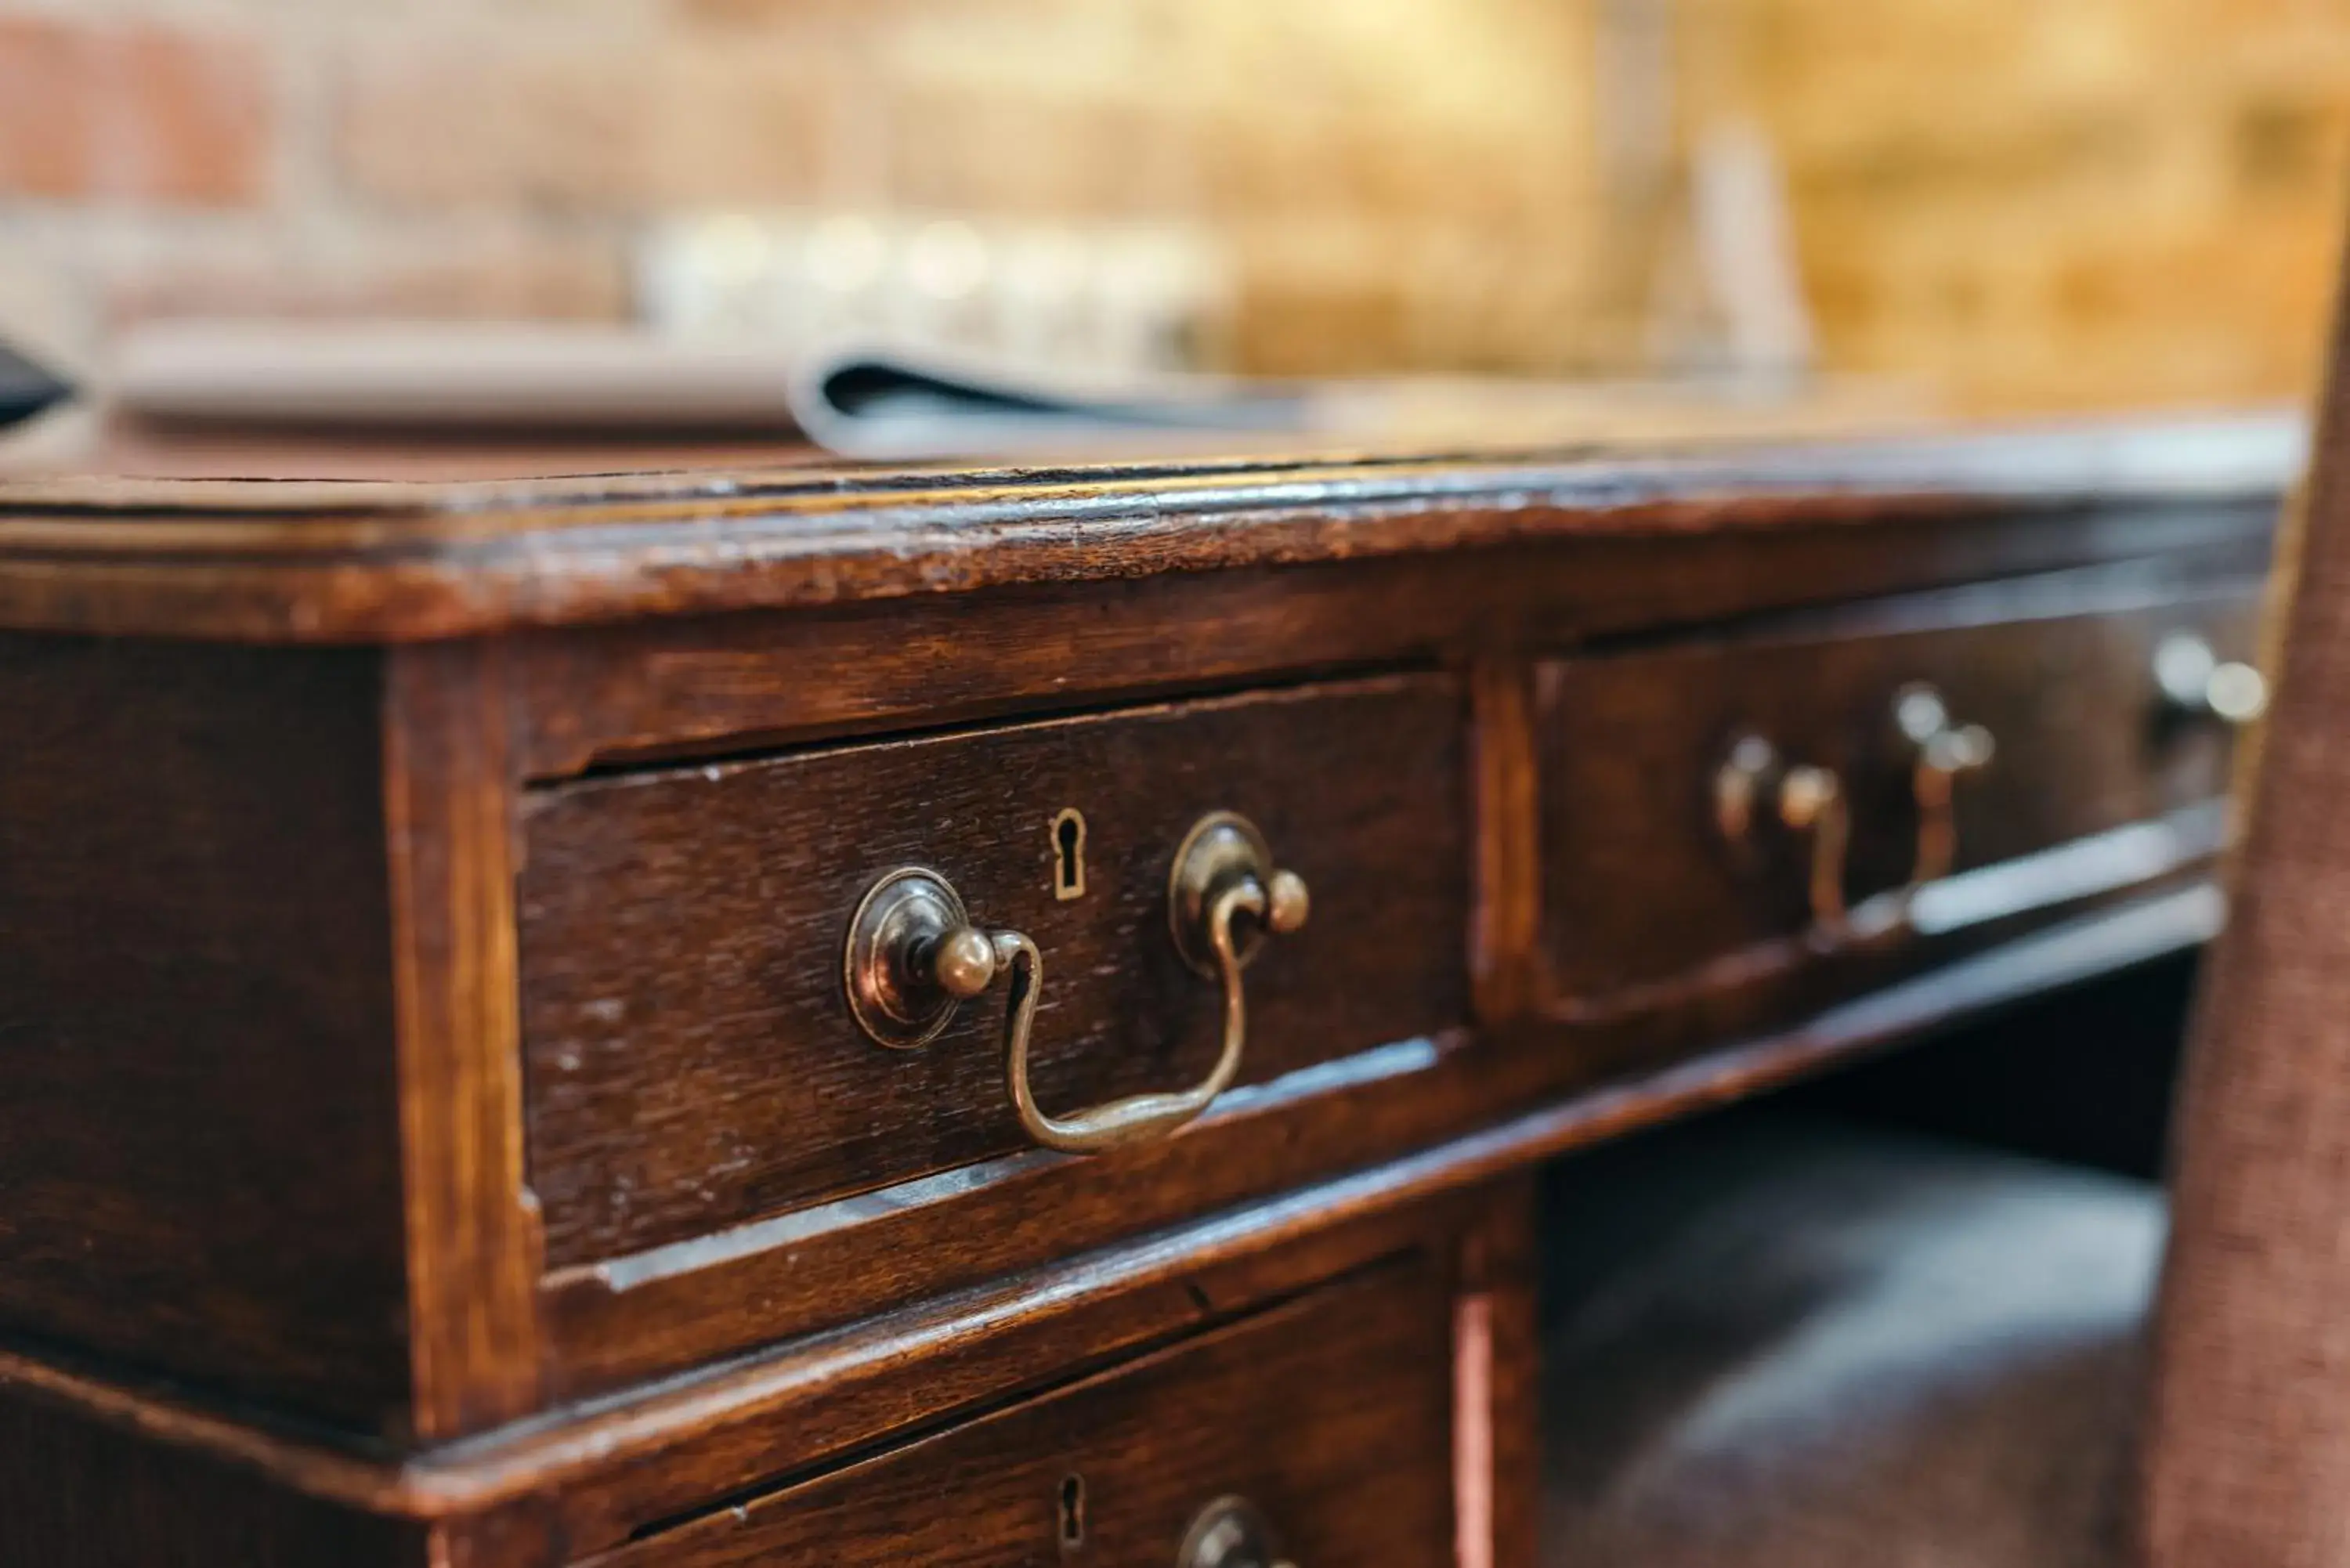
(1649, 876)
(692, 1056)
(1326, 1423)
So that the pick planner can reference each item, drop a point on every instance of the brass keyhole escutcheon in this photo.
(1069, 854)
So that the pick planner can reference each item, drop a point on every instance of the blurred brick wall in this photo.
(2053, 203)
(495, 156)
(2035, 205)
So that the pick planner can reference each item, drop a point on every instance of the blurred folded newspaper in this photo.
(880, 401)
(26, 388)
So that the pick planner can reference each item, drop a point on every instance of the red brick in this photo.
(132, 110)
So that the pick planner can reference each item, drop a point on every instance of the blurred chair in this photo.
(1781, 1342)
(1801, 1347)
(2248, 1435)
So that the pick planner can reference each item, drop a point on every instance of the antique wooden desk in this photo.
(999, 1018)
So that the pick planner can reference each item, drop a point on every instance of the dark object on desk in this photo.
(26, 389)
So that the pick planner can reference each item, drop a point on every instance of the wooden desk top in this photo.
(284, 558)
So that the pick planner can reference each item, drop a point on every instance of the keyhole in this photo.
(1073, 1513)
(1069, 854)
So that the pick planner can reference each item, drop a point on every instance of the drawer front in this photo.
(1331, 1417)
(1645, 884)
(692, 1058)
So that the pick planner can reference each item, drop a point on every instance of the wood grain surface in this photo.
(1640, 884)
(78, 1494)
(371, 562)
(691, 1060)
(199, 1152)
(434, 1098)
(658, 1311)
(595, 1476)
(608, 697)
(474, 1252)
(1333, 1413)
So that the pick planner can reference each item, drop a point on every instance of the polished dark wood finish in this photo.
(600, 1474)
(304, 560)
(611, 1323)
(791, 1410)
(1643, 889)
(75, 1492)
(692, 1062)
(1331, 1413)
(1497, 1368)
(198, 1171)
(458, 1123)
(599, 698)
(473, 1249)
(645, 1471)
(684, 1300)
(257, 907)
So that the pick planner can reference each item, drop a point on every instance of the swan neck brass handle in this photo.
(2195, 682)
(1137, 1118)
(1946, 752)
(1812, 801)
(1754, 784)
(913, 954)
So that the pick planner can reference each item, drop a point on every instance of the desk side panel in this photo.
(198, 1125)
(74, 1493)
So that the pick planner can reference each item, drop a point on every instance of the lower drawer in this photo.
(1318, 1431)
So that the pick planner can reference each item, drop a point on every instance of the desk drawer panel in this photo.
(692, 1057)
(1323, 1427)
(1646, 881)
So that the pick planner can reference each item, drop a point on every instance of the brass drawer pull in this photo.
(2195, 682)
(1812, 800)
(1754, 783)
(914, 954)
(1946, 752)
(1230, 1532)
(1804, 799)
